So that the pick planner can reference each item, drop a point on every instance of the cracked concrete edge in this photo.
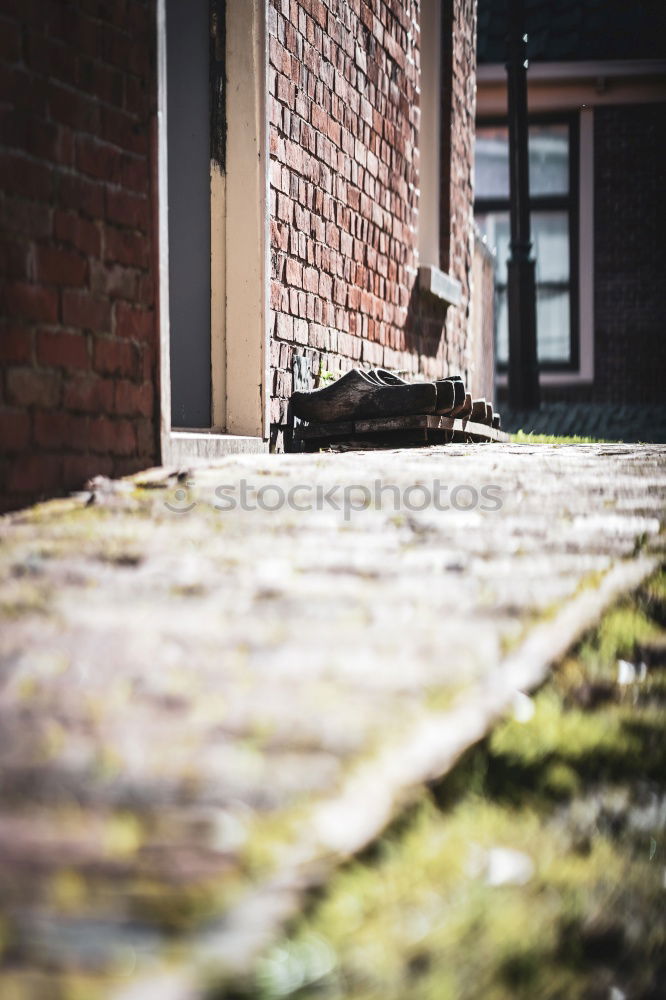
(374, 794)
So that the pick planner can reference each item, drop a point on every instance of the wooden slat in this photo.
(432, 424)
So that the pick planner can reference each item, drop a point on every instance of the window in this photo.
(553, 163)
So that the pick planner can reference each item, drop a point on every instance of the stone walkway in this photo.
(204, 709)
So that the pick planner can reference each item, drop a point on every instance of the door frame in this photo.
(240, 345)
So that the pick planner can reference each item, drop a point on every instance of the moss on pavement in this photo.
(535, 870)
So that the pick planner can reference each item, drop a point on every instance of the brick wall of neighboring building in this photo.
(629, 260)
(343, 84)
(78, 337)
(629, 253)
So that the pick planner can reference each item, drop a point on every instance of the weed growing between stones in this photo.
(529, 437)
(535, 870)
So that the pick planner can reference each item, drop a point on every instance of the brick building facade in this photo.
(82, 339)
(345, 190)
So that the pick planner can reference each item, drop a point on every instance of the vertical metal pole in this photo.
(523, 364)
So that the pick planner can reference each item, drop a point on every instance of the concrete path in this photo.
(213, 688)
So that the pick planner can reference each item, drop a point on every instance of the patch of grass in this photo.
(534, 870)
(529, 437)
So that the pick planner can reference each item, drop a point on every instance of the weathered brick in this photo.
(116, 357)
(114, 437)
(73, 109)
(81, 194)
(65, 350)
(132, 399)
(294, 272)
(14, 431)
(127, 209)
(28, 218)
(123, 246)
(22, 176)
(89, 394)
(72, 229)
(15, 344)
(26, 387)
(56, 266)
(97, 159)
(133, 322)
(78, 469)
(85, 310)
(60, 431)
(34, 475)
(31, 302)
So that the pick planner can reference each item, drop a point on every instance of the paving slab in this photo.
(218, 683)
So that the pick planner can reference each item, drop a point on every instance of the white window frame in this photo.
(584, 374)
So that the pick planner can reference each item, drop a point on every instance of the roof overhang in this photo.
(496, 72)
(560, 86)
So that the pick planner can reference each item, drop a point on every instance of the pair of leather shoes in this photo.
(359, 395)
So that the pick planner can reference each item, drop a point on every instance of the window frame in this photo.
(569, 203)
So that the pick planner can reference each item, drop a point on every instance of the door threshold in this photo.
(186, 446)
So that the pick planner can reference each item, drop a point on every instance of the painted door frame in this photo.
(240, 343)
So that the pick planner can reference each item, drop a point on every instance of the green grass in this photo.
(528, 437)
(578, 791)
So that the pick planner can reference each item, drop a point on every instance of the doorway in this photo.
(213, 226)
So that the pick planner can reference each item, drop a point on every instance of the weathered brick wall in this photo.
(629, 260)
(78, 337)
(344, 118)
(630, 254)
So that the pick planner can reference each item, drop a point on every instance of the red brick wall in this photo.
(343, 84)
(77, 324)
(629, 254)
